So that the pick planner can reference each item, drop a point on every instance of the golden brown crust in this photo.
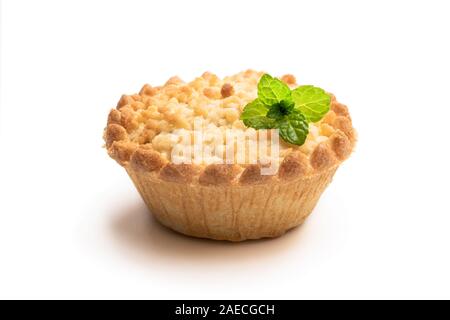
(345, 125)
(181, 173)
(294, 165)
(341, 145)
(127, 119)
(114, 117)
(252, 175)
(114, 132)
(219, 174)
(122, 151)
(147, 160)
(322, 157)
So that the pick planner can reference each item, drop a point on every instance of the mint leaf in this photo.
(254, 115)
(313, 102)
(275, 112)
(293, 128)
(272, 90)
(281, 109)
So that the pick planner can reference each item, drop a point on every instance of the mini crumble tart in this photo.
(207, 198)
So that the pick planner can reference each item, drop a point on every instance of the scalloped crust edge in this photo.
(295, 165)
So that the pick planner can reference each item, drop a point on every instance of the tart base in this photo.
(231, 212)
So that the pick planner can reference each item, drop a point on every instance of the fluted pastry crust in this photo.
(232, 212)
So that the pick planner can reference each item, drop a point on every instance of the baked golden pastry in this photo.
(209, 198)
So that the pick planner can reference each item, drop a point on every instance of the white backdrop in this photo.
(71, 223)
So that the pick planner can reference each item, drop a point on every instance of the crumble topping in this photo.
(146, 128)
(160, 116)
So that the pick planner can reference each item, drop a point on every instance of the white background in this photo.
(71, 223)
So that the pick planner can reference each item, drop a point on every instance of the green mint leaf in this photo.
(279, 110)
(275, 112)
(293, 128)
(254, 115)
(272, 90)
(313, 102)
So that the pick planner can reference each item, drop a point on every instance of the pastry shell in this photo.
(229, 201)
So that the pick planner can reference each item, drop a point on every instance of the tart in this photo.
(210, 198)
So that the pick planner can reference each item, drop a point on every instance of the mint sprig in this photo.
(290, 111)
